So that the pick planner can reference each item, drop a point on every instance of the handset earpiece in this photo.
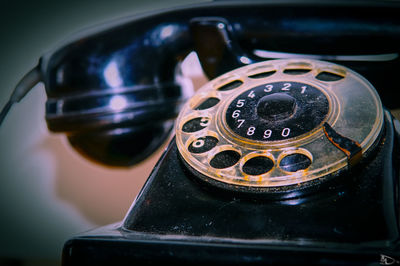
(116, 90)
(115, 93)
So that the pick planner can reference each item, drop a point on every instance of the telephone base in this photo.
(176, 219)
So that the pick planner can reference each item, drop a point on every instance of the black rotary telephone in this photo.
(289, 155)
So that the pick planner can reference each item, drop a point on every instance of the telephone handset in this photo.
(289, 149)
(117, 84)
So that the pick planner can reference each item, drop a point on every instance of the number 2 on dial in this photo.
(286, 86)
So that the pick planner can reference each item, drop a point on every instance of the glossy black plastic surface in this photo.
(119, 76)
(120, 147)
(130, 47)
(335, 215)
(175, 219)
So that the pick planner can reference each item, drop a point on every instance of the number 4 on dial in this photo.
(251, 94)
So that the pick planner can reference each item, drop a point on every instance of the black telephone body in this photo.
(289, 155)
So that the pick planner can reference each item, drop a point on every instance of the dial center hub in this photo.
(277, 106)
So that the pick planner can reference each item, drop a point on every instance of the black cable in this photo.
(32, 78)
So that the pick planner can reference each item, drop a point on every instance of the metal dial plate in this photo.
(279, 123)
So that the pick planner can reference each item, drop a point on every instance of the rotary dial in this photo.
(279, 123)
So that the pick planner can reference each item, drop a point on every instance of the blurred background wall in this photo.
(48, 192)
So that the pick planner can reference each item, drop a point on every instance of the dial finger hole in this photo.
(225, 159)
(258, 165)
(296, 71)
(195, 124)
(297, 68)
(207, 103)
(262, 75)
(329, 76)
(295, 162)
(203, 144)
(231, 85)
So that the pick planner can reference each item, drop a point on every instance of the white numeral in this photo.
(303, 89)
(268, 88)
(250, 131)
(204, 122)
(251, 94)
(286, 86)
(236, 114)
(240, 103)
(285, 132)
(267, 134)
(241, 121)
(198, 143)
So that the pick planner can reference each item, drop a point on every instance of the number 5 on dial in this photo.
(240, 103)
